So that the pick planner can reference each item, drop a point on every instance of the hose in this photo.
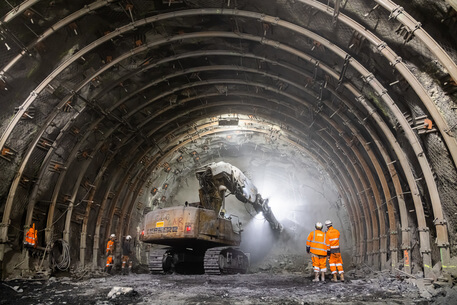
(60, 255)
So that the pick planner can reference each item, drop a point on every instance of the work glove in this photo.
(307, 249)
(328, 253)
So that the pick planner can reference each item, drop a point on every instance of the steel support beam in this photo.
(18, 10)
(264, 41)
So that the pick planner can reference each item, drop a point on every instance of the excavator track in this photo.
(225, 260)
(156, 261)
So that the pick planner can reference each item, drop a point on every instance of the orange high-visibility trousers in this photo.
(109, 261)
(126, 261)
(319, 263)
(335, 262)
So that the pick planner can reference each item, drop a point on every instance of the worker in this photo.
(110, 252)
(126, 253)
(428, 124)
(318, 248)
(31, 237)
(335, 261)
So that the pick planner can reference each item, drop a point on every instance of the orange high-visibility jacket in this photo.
(333, 240)
(110, 246)
(30, 237)
(316, 242)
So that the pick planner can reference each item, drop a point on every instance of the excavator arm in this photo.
(217, 177)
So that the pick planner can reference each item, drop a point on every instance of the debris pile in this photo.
(284, 263)
(438, 291)
(121, 291)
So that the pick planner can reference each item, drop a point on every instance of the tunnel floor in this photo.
(254, 288)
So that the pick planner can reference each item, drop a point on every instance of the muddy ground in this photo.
(252, 288)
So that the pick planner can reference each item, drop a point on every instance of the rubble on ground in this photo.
(274, 285)
(121, 291)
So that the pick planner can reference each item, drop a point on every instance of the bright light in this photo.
(279, 207)
(280, 200)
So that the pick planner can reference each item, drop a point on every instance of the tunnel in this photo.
(341, 110)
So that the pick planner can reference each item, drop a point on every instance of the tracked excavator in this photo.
(199, 236)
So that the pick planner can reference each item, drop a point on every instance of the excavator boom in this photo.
(215, 177)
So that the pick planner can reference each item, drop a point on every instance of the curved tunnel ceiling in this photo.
(99, 96)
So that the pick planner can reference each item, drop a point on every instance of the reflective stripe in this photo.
(324, 269)
(333, 272)
(319, 242)
(333, 239)
(341, 272)
(338, 265)
(332, 265)
(334, 247)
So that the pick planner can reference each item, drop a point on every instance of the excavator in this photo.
(199, 237)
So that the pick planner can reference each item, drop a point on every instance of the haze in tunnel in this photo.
(336, 107)
(300, 194)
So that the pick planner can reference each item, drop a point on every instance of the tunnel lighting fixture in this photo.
(229, 122)
(275, 128)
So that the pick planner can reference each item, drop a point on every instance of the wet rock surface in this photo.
(253, 288)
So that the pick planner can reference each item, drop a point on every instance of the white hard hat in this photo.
(128, 237)
(112, 236)
(328, 223)
(318, 225)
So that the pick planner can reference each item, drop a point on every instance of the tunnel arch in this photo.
(348, 93)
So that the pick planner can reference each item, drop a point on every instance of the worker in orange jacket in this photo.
(110, 252)
(335, 261)
(318, 248)
(31, 237)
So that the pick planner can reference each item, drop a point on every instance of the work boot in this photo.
(334, 279)
(316, 277)
(322, 276)
(342, 277)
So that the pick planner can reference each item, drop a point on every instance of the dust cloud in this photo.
(299, 195)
